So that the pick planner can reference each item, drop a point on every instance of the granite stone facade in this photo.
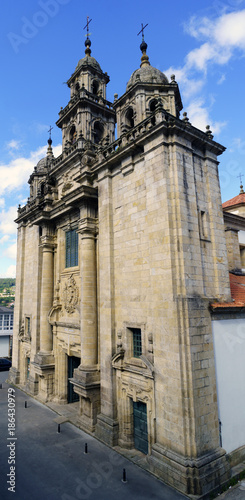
(129, 321)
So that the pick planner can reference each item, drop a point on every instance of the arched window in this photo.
(73, 134)
(42, 188)
(95, 87)
(129, 117)
(77, 86)
(153, 105)
(98, 132)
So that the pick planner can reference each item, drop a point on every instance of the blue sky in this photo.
(202, 42)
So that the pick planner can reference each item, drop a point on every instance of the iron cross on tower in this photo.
(51, 128)
(86, 26)
(240, 177)
(142, 30)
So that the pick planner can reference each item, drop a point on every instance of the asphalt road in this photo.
(53, 466)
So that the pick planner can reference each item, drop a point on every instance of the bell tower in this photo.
(88, 115)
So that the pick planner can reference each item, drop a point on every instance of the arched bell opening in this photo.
(73, 134)
(95, 87)
(129, 118)
(153, 105)
(98, 132)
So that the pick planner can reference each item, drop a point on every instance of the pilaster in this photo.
(107, 424)
(14, 372)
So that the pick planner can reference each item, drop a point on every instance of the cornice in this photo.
(69, 203)
(171, 127)
(85, 98)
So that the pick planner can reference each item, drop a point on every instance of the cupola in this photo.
(147, 88)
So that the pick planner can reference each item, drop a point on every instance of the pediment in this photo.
(140, 365)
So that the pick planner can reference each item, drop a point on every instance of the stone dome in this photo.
(88, 61)
(147, 74)
(42, 164)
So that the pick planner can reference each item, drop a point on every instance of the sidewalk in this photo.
(54, 465)
(235, 493)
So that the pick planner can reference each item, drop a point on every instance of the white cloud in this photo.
(9, 273)
(189, 86)
(13, 145)
(11, 251)
(2, 202)
(4, 239)
(7, 224)
(230, 30)
(15, 174)
(199, 116)
(220, 39)
(221, 79)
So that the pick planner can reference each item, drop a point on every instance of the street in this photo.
(54, 466)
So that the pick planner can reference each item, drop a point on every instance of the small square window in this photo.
(137, 344)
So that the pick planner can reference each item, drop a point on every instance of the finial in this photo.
(87, 41)
(209, 132)
(173, 79)
(185, 117)
(143, 47)
(49, 150)
(241, 186)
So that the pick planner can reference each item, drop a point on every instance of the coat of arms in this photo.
(70, 295)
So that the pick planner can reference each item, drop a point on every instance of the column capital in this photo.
(88, 227)
(48, 242)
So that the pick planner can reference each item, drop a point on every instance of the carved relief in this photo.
(70, 295)
(21, 333)
(67, 184)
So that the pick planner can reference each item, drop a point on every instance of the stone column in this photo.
(46, 341)
(89, 338)
(44, 360)
(86, 379)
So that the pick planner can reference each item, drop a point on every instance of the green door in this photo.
(140, 427)
(73, 363)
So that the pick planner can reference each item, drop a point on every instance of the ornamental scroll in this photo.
(70, 295)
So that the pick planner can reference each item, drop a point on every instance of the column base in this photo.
(32, 385)
(44, 367)
(13, 376)
(86, 383)
(107, 430)
(196, 477)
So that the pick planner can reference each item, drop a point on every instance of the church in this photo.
(121, 252)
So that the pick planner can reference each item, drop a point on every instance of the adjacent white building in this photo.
(6, 331)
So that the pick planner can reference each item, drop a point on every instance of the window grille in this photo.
(71, 248)
(137, 344)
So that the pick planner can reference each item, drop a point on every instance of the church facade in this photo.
(121, 250)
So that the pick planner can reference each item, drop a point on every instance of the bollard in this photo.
(124, 479)
(1, 386)
(58, 428)
(25, 404)
(86, 448)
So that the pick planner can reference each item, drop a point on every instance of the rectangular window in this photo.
(1, 321)
(28, 326)
(71, 248)
(6, 322)
(137, 344)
